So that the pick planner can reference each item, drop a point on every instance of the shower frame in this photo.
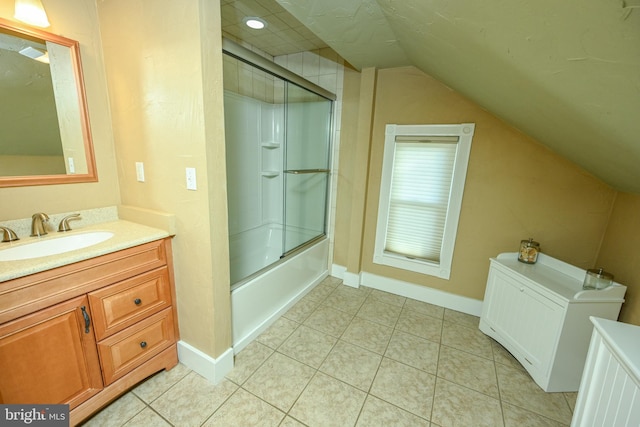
(253, 59)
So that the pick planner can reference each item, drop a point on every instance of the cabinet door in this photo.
(49, 357)
(528, 321)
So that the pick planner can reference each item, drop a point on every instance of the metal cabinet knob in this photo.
(143, 344)
(137, 301)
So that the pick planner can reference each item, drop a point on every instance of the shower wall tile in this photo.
(327, 81)
(310, 64)
(294, 63)
(230, 70)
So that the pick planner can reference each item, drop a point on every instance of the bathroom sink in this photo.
(54, 246)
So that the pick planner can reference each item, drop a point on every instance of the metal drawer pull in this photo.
(137, 301)
(87, 320)
(143, 344)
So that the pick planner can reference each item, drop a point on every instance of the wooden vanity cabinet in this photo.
(85, 333)
(50, 356)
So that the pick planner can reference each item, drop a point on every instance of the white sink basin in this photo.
(54, 245)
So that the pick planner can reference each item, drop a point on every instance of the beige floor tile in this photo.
(454, 405)
(328, 320)
(245, 409)
(378, 413)
(352, 364)
(148, 417)
(408, 388)
(328, 402)
(346, 299)
(247, 361)
(320, 292)
(308, 346)
(379, 312)
(419, 324)
(152, 388)
(517, 388)
(291, 422)
(414, 351)
(302, 309)
(571, 400)
(369, 335)
(502, 355)
(466, 339)
(334, 282)
(468, 370)
(192, 400)
(279, 381)
(387, 297)
(463, 319)
(425, 308)
(117, 413)
(278, 332)
(518, 417)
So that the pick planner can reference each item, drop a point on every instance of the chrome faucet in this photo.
(38, 222)
(8, 235)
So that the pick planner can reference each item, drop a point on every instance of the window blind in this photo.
(419, 196)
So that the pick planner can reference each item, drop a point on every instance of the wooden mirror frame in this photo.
(74, 48)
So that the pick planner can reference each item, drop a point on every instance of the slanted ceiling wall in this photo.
(516, 188)
(565, 73)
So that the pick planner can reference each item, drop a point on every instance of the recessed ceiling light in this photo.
(255, 22)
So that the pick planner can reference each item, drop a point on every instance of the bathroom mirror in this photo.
(45, 136)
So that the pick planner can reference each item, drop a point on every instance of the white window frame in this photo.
(441, 269)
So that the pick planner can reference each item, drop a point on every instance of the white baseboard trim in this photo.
(422, 293)
(338, 271)
(214, 370)
(351, 279)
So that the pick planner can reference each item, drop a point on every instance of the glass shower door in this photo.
(306, 166)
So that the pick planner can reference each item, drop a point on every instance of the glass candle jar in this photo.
(597, 278)
(528, 251)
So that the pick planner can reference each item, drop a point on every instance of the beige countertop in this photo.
(126, 234)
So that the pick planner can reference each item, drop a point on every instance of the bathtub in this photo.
(258, 302)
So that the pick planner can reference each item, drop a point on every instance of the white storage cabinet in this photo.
(540, 313)
(609, 394)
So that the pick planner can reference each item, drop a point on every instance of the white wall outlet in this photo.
(140, 171)
(191, 179)
(72, 166)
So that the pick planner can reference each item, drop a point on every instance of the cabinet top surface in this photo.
(126, 234)
(562, 279)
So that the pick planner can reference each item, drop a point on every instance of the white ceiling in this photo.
(565, 72)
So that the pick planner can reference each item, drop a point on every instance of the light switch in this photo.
(140, 171)
(191, 179)
(72, 166)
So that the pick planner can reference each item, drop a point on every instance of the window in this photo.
(423, 173)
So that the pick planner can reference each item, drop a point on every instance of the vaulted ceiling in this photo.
(565, 72)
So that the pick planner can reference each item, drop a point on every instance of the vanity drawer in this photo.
(121, 305)
(130, 348)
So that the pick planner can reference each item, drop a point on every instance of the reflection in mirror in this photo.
(44, 127)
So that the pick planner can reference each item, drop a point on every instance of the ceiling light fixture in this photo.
(31, 12)
(255, 22)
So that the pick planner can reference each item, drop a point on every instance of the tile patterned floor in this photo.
(353, 357)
